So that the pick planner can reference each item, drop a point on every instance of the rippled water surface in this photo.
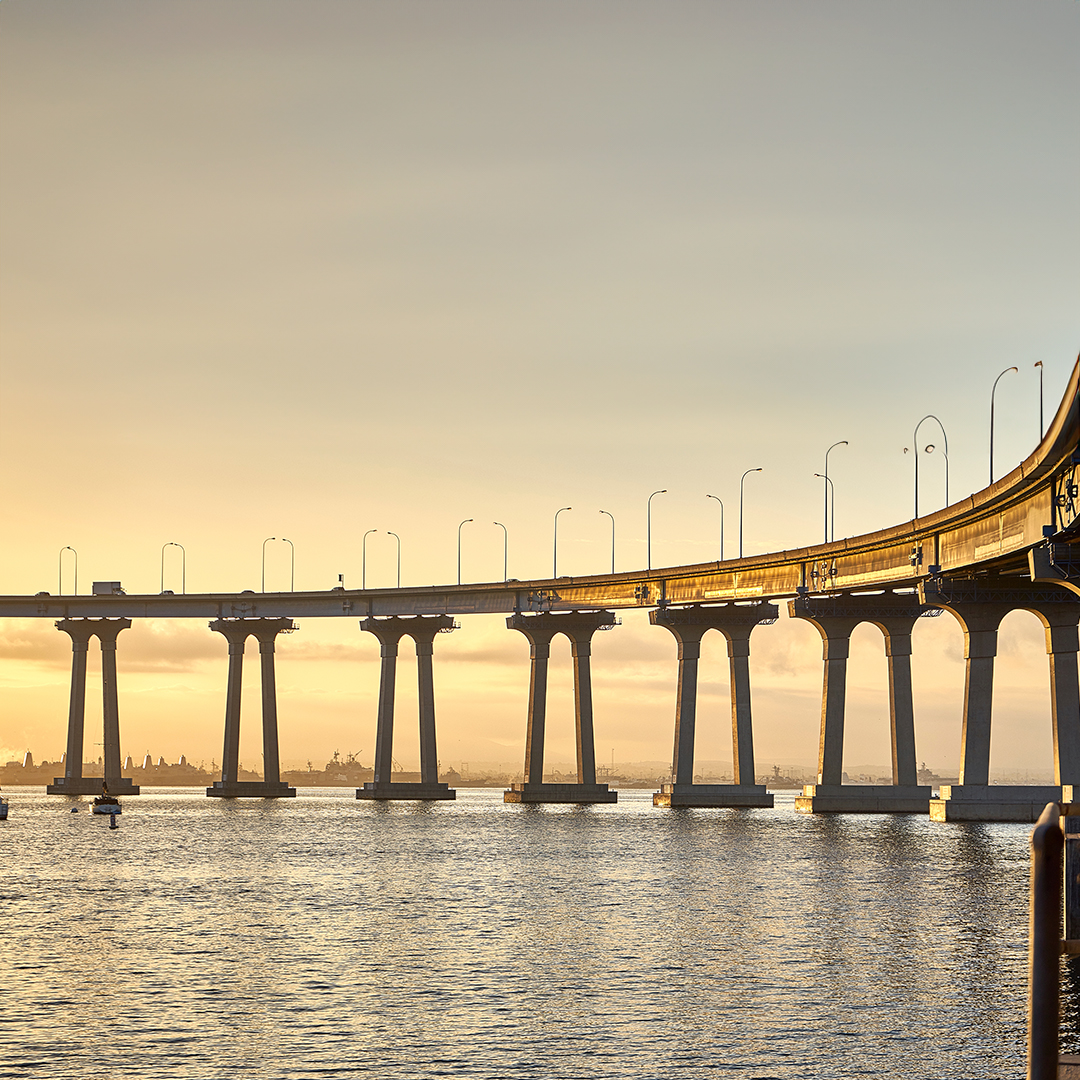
(323, 937)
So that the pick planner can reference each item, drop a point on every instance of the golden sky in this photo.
(309, 269)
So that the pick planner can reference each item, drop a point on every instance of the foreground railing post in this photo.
(1044, 936)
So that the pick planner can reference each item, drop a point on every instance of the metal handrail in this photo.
(1044, 952)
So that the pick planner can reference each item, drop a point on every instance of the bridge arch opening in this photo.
(867, 733)
(1021, 738)
(785, 676)
(937, 690)
(712, 734)
(560, 733)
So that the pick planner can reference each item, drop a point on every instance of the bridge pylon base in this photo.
(411, 792)
(560, 793)
(713, 795)
(90, 785)
(995, 802)
(859, 799)
(250, 789)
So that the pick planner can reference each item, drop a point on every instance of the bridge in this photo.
(1013, 545)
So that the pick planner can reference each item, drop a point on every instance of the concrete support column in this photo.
(110, 710)
(1061, 648)
(689, 625)
(80, 645)
(384, 735)
(835, 648)
(425, 679)
(422, 629)
(271, 763)
(580, 651)
(230, 755)
(230, 786)
(578, 627)
(742, 729)
(980, 649)
(73, 782)
(905, 769)
(539, 655)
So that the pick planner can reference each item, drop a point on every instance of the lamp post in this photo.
(915, 449)
(262, 589)
(992, 393)
(555, 543)
(721, 502)
(648, 528)
(465, 522)
(398, 539)
(60, 571)
(742, 481)
(829, 487)
(1039, 365)
(506, 547)
(292, 563)
(363, 558)
(830, 533)
(612, 516)
(183, 565)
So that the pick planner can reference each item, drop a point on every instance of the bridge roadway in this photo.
(1008, 546)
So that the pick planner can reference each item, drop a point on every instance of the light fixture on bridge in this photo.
(465, 522)
(741, 482)
(555, 543)
(648, 529)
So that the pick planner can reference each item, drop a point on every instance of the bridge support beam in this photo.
(835, 618)
(578, 627)
(230, 786)
(689, 625)
(979, 605)
(422, 630)
(73, 782)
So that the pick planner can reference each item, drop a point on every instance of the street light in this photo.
(264, 543)
(830, 533)
(1039, 365)
(648, 529)
(363, 558)
(829, 486)
(612, 516)
(555, 543)
(915, 449)
(398, 539)
(506, 546)
(183, 565)
(721, 502)
(992, 393)
(60, 571)
(292, 563)
(742, 481)
(465, 522)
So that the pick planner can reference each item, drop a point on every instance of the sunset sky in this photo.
(308, 269)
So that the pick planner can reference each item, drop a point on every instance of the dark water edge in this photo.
(324, 937)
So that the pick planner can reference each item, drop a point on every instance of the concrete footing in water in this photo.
(90, 785)
(560, 793)
(250, 789)
(860, 799)
(413, 792)
(995, 802)
(715, 795)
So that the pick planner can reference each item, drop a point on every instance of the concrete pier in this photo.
(835, 617)
(689, 625)
(73, 782)
(578, 627)
(979, 605)
(422, 630)
(236, 632)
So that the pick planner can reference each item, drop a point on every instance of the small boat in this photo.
(105, 803)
